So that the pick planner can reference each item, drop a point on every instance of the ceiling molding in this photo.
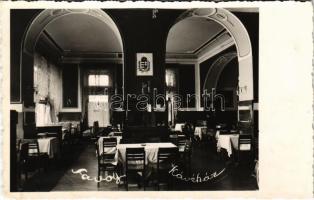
(66, 56)
(216, 50)
(91, 54)
(67, 59)
(181, 56)
(49, 44)
(181, 60)
(49, 39)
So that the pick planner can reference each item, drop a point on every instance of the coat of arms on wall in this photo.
(144, 64)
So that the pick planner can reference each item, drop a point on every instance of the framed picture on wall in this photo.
(144, 64)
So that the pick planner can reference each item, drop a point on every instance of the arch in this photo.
(216, 69)
(242, 42)
(37, 26)
(47, 16)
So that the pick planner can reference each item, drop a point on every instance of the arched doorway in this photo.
(243, 51)
(47, 16)
(80, 39)
(216, 69)
(242, 42)
(218, 37)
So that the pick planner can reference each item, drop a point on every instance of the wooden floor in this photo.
(60, 176)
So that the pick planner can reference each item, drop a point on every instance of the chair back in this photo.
(109, 142)
(166, 156)
(95, 127)
(245, 142)
(117, 134)
(33, 147)
(181, 140)
(173, 138)
(109, 146)
(188, 146)
(135, 156)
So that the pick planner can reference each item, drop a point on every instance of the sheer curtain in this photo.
(98, 111)
(43, 114)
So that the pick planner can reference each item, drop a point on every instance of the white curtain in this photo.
(98, 112)
(43, 114)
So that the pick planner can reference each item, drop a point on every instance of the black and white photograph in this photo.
(186, 120)
(135, 99)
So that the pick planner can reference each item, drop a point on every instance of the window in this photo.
(98, 88)
(171, 82)
(98, 80)
(170, 78)
(98, 98)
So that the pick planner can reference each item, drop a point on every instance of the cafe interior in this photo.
(134, 99)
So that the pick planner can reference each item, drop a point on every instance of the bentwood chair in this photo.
(165, 159)
(107, 161)
(135, 165)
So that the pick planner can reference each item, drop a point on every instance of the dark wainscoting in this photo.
(70, 116)
(225, 117)
(140, 134)
(190, 116)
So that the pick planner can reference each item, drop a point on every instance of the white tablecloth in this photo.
(178, 127)
(227, 141)
(49, 145)
(151, 150)
(199, 130)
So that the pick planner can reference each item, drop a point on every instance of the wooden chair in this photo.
(106, 161)
(173, 138)
(185, 153)
(245, 147)
(35, 158)
(165, 158)
(188, 156)
(110, 142)
(117, 134)
(135, 163)
(95, 129)
(181, 143)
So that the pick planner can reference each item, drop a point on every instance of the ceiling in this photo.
(190, 34)
(83, 33)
